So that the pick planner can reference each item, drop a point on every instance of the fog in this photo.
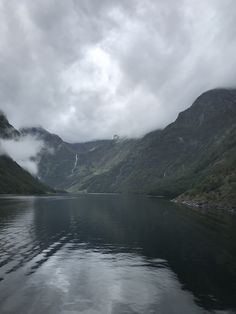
(24, 150)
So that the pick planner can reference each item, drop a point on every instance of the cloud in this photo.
(24, 150)
(90, 69)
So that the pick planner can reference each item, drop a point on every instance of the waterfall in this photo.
(75, 164)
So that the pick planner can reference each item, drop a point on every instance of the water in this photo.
(114, 254)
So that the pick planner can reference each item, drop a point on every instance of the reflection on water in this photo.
(114, 254)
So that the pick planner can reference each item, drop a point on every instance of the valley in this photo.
(192, 160)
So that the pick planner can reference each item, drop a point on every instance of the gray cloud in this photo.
(93, 68)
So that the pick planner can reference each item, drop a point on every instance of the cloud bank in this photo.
(24, 150)
(93, 68)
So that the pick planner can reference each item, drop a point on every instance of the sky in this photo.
(89, 69)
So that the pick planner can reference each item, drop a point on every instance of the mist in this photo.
(24, 150)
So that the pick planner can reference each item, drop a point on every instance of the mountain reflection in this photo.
(130, 231)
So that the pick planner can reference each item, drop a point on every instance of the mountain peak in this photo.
(217, 106)
(42, 133)
(6, 129)
(216, 97)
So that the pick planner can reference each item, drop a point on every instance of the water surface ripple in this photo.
(114, 254)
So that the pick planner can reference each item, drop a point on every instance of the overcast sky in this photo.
(89, 69)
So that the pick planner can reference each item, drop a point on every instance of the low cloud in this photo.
(24, 150)
(93, 68)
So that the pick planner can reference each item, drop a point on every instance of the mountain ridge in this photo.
(172, 162)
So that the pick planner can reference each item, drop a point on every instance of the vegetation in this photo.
(196, 153)
(15, 180)
(192, 159)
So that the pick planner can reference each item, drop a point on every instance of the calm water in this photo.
(114, 254)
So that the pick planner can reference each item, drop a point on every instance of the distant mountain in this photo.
(14, 179)
(98, 160)
(65, 166)
(192, 159)
(57, 158)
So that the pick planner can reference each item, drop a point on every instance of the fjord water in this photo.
(114, 254)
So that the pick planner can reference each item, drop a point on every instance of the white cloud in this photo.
(24, 151)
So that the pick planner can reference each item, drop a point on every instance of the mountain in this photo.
(65, 166)
(192, 159)
(57, 158)
(100, 159)
(217, 186)
(7, 131)
(14, 179)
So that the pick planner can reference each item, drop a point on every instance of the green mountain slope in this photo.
(193, 158)
(217, 186)
(99, 160)
(193, 150)
(66, 166)
(14, 179)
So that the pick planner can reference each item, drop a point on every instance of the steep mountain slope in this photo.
(99, 160)
(192, 158)
(217, 188)
(6, 129)
(183, 155)
(56, 159)
(65, 166)
(14, 179)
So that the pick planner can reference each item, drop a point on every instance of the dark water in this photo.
(114, 254)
